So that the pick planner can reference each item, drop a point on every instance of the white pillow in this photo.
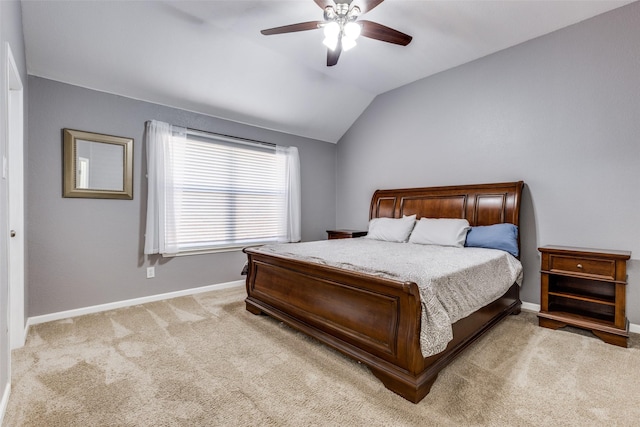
(440, 231)
(391, 229)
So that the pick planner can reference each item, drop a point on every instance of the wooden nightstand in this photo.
(345, 234)
(585, 288)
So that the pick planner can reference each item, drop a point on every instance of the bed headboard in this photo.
(480, 204)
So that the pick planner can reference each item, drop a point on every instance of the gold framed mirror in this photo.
(97, 166)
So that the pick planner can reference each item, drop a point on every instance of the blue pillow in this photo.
(497, 236)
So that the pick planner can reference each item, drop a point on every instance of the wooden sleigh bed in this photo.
(377, 320)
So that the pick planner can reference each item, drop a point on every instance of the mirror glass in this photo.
(99, 166)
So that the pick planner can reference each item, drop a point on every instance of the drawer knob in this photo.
(579, 266)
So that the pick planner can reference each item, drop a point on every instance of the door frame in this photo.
(15, 173)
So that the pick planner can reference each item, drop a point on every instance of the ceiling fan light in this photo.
(332, 30)
(331, 42)
(352, 30)
(348, 43)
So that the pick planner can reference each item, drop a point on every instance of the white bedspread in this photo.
(453, 282)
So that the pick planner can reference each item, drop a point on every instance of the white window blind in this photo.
(224, 193)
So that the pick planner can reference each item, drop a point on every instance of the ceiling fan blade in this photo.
(324, 3)
(367, 5)
(302, 26)
(373, 30)
(333, 55)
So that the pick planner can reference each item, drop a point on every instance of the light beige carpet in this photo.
(206, 361)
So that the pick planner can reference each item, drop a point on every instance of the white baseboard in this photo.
(5, 401)
(527, 306)
(128, 303)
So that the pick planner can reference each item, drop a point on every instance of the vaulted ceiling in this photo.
(209, 56)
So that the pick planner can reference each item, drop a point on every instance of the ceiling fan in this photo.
(342, 27)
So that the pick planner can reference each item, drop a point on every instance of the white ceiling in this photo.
(209, 56)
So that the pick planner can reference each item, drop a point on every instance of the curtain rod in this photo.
(229, 138)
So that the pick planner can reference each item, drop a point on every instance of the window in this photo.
(218, 192)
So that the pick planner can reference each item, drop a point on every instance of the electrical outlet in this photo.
(151, 272)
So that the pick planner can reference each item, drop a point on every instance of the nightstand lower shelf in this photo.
(604, 331)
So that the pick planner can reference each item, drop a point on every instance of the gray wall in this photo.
(84, 252)
(11, 33)
(561, 112)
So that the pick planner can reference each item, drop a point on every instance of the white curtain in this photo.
(165, 148)
(292, 202)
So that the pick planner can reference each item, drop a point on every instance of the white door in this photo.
(15, 174)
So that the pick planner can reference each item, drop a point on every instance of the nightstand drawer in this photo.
(603, 268)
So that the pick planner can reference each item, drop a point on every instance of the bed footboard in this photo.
(374, 320)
